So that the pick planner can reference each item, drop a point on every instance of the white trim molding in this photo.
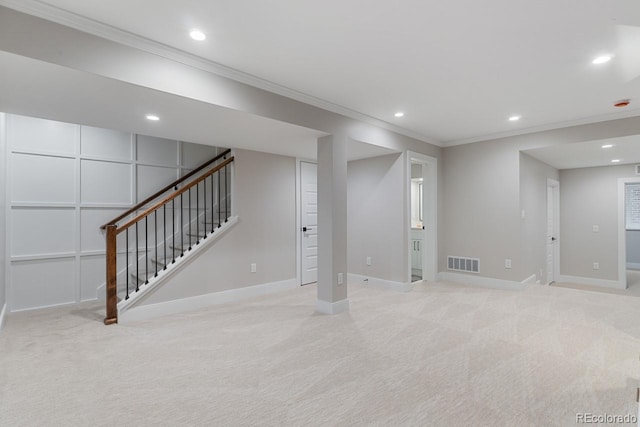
(325, 307)
(485, 282)
(3, 313)
(633, 266)
(380, 283)
(151, 311)
(602, 283)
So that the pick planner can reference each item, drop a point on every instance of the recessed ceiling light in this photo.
(197, 35)
(615, 161)
(514, 118)
(603, 59)
(399, 114)
(152, 117)
(607, 146)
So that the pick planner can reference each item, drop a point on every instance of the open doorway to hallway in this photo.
(422, 176)
(417, 221)
(632, 233)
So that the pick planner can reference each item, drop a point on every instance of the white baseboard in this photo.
(633, 266)
(337, 307)
(603, 283)
(484, 282)
(150, 311)
(530, 280)
(2, 314)
(380, 283)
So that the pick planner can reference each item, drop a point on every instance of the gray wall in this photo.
(481, 203)
(3, 208)
(266, 234)
(589, 197)
(633, 248)
(533, 201)
(480, 209)
(376, 220)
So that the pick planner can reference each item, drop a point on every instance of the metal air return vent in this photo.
(469, 265)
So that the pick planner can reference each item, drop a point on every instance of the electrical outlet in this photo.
(596, 266)
(507, 263)
(368, 260)
(340, 278)
(253, 267)
(596, 229)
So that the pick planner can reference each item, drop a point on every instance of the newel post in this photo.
(111, 287)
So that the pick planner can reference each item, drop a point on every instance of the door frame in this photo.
(429, 212)
(554, 186)
(622, 230)
(298, 221)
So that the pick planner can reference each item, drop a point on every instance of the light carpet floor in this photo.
(441, 355)
(633, 286)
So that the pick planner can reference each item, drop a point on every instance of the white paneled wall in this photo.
(63, 182)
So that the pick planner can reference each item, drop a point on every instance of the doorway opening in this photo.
(629, 232)
(417, 221)
(422, 176)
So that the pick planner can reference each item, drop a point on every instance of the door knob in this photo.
(553, 239)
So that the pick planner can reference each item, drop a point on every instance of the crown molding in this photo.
(546, 127)
(81, 23)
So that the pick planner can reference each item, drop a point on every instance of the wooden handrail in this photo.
(113, 230)
(164, 190)
(159, 204)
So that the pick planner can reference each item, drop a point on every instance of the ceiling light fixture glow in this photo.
(514, 118)
(607, 146)
(603, 59)
(152, 117)
(615, 161)
(399, 114)
(197, 35)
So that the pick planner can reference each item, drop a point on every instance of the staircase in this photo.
(154, 237)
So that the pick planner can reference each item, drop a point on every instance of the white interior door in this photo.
(309, 222)
(552, 238)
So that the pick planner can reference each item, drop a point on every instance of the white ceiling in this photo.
(456, 68)
(590, 154)
(117, 105)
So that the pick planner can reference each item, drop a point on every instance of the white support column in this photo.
(332, 225)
